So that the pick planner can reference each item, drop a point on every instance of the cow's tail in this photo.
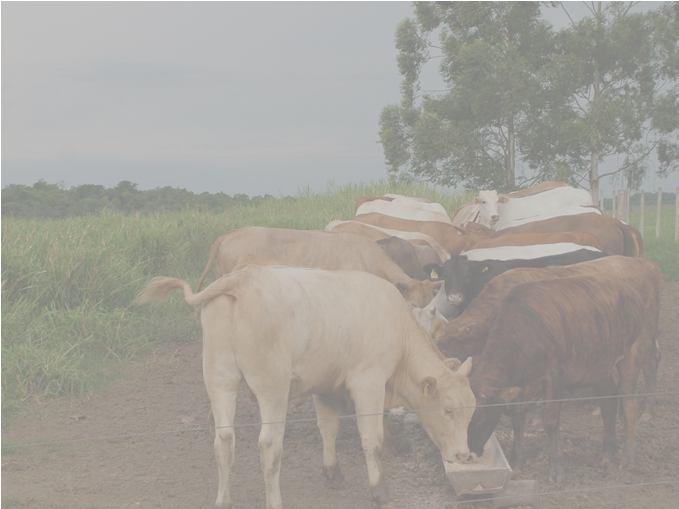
(214, 251)
(633, 244)
(160, 287)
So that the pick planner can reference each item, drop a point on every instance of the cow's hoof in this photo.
(607, 464)
(380, 495)
(556, 474)
(333, 476)
(401, 445)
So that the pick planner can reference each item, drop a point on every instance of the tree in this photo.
(613, 96)
(491, 55)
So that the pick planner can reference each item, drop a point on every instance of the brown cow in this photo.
(615, 237)
(312, 249)
(531, 238)
(452, 238)
(376, 233)
(550, 336)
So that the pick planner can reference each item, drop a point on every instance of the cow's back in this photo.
(468, 333)
(607, 230)
(576, 327)
(299, 248)
(451, 238)
(404, 208)
(318, 323)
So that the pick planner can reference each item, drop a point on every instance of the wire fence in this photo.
(314, 419)
(648, 210)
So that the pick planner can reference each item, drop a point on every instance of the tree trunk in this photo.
(510, 163)
(594, 176)
(594, 154)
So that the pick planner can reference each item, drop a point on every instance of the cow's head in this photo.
(490, 403)
(460, 340)
(488, 207)
(419, 293)
(430, 318)
(445, 408)
(456, 275)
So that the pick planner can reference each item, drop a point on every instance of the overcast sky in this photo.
(234, 97)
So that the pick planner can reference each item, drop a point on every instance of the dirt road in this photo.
(138, 460)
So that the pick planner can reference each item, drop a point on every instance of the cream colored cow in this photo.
(334, 334)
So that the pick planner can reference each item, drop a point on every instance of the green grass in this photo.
(67, 284)
(663, 250)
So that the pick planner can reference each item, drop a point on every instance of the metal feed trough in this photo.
(488, 478)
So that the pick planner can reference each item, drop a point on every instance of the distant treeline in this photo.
(44, 200)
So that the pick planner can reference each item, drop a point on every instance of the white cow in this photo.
(483, 211)
(405, 208)
(334, 334)
(559, 201)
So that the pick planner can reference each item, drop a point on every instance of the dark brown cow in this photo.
(554, 335)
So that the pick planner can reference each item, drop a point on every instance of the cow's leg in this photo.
(273, 406)
(551, 413)
(327, 418)
(651, 381)
(609, 413)
(368, 396)
(629, 374)
(518, 414)
(224, 409)
(222, 379)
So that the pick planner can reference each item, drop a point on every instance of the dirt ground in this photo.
(139, 460)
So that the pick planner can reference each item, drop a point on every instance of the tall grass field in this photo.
(68, 284)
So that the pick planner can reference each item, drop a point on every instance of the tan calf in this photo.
(334, 334)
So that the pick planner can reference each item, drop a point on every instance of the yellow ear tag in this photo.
(485, 269)
(434, 274)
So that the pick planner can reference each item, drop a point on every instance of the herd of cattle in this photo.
(541, 290)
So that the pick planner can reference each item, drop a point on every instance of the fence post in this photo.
(642, 211)
(658, 211)
(676, 215)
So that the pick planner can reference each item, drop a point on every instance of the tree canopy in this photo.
(519, 91)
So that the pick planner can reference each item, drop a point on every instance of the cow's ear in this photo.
(509, 394)
(433, 271)
(403, 288)
(429, 386)
(466, 368)
(503, 198)
(453, 363)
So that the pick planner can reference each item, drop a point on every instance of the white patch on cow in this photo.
(504, 253)
(406, 208)
(560, 201)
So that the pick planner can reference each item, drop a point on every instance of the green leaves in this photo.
(559, 103)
